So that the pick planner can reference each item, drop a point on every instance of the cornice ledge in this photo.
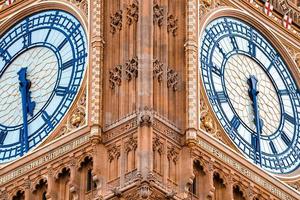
(238, 163)
(166, 122)
(119, 122)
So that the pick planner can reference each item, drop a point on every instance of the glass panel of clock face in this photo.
(52, 46)
(264, 126)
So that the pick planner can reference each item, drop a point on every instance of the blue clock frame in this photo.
(236, 30)
(38, 30)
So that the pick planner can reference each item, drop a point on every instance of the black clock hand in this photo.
(253, 92)
(27, 107)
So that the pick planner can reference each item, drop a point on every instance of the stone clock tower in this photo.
(149, 99)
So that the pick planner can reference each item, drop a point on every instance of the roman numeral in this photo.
(221, 50)
(234, 43)
(283, 92)
(216, 70)
(62, 91)
(2, 136)
(27, 39)
(254, 142)
(235, 122)
(285, 139)
(252, 49)
(289, 118)
(67, 64)
(273, 147)
(47, 118)
(221, 97)
(62, 44)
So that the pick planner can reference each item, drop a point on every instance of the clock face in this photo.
(252, 93)
(42, 64)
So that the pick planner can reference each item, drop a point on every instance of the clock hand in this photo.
(253, 92)
(27, 106)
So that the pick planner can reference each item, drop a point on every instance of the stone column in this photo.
(229, 187)
(74, 186)
(209, 181)
(27, 189)
(145, 87)
(191, 55)
(51, 190)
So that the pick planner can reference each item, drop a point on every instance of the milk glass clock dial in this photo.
(252, 93)
(42, 64)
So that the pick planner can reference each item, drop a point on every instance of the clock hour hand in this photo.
(253, 92)
(27, 107)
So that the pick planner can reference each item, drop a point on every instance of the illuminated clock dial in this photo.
(42, 64)
(252, 93)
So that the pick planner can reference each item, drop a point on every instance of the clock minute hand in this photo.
(27, 106)
(253, 92)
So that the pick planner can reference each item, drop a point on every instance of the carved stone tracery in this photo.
(115, 76)
(131, 144)
(158, 70)
(172, 79)
(172, 25)
(131, 68)
(116, 21)
(132, 12)
(158, 14)
(114, 152)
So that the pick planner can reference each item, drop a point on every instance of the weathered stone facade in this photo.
(142, 127)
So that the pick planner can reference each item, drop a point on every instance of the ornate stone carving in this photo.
(116, 22)
(172, 79)
(132, 14)
(117, 192)
(158, 14)
(158, 70)
(77, 118)
(145, 191)
(81, 4)
(131, 68)
(115, 76)
(207, 123)
(145, 117)
(157, 145)
(170, 195)
(114, 152)
(131, 144)
(172, 25)
(172, 154)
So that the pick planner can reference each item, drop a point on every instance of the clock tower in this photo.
(149, 99)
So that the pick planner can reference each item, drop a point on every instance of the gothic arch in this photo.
(37, 182)
(82, 159)
(60, 171)
(15, 192)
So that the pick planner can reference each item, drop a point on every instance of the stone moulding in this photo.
(207, 144)
(46, 158)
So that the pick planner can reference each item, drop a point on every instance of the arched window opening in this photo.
(219, 187)
(19, 196)
(237, 193)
